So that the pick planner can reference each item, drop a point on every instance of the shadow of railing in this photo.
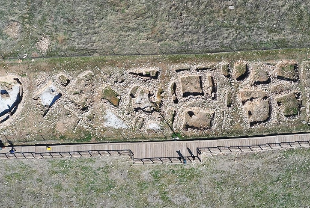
(162, 160)
(68, 154)
(252, 148)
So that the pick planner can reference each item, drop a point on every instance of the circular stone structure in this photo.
(11, 93)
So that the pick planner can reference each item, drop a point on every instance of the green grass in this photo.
(111, 96)
(288, 71)
(82, 63)
(239, 70)
(289, 104)
(80, 136)
(177, 135)
(266, 179)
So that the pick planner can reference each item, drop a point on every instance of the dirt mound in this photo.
(258, 111)
(247, 95)
(287, 71)
(225, 69)
(259, 75)
(191, 85)
(64, 81)
(240, 70)
(81, 92)
(289, 104)
(142, 101)
(198, 119)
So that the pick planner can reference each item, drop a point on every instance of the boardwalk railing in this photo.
(184, 153)
(89, 153)
(252, 148)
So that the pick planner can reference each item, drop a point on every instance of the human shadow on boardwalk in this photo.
(192, 155)
(184, 159)
(181, 157)
(1, 144)
(12, 150)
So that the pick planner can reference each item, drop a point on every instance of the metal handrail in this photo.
(63, 153)
(268, 145)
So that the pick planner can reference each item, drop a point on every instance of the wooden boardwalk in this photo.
(174, 149)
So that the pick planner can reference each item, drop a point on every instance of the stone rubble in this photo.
(191, 98)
